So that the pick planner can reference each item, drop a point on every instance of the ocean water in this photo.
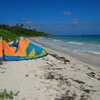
(82, 44)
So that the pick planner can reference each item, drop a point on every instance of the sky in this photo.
(58, 17)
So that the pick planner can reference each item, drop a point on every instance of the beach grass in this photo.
(1, 63)
(5, 95)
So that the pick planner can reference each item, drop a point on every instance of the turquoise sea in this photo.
(84, 44)
(90, 39)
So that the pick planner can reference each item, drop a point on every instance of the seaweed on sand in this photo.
(66, 96)
(60, 58)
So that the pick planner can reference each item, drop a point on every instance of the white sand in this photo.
(51, 78)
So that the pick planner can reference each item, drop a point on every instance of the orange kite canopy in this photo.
(20, 49)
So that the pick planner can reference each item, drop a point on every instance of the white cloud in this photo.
(75, 21)
(67, 13)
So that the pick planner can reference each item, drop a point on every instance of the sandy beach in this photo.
(56, 76)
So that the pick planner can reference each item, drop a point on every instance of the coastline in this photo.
(54, 77)
(91, 59)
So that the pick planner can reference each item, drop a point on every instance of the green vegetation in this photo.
(12, 32)
(4, 95)
(1, 63)
(8, 35)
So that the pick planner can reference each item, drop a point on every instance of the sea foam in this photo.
(73, 46)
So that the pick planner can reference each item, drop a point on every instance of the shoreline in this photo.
(93, 60)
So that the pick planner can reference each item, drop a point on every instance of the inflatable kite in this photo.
(20, 49)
